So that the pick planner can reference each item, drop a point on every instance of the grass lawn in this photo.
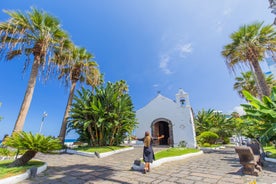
(102, 149)
(211, 146)
(171, 152)
(6, 172)
(271, 149)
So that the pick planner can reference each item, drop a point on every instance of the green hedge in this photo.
(207, 137)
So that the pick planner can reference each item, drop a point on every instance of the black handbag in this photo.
(137, 162)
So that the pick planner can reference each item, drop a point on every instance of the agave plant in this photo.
(264, 111)
(32, 144)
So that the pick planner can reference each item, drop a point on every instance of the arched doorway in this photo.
(160, 127)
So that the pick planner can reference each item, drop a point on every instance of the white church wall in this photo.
(183, 129)
(162, 107)
(155, 109)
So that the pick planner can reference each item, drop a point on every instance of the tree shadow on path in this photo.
(76, 174)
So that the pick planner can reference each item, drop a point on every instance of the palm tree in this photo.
(80, 68)
(37, 35)
(203, 120)
(122, 87)
(247, 82)
(248, 47)
(213, 121)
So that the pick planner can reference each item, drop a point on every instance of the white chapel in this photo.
(173, 119)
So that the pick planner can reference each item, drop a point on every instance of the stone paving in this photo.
(212, 167)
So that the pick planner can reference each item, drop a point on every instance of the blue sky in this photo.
(154, 45)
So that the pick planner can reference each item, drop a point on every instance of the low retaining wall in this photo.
(164, 160)
(21, 177)
(270, 159)
(101, 155)
(169, 159)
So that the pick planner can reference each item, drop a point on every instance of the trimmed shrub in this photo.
(208, 137)
(206, 144)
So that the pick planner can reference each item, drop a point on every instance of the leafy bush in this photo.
(206, 144)
(226, 140)
(207, 137)
(262, 111)
(214, 121)
(6, 152)
(103, 117)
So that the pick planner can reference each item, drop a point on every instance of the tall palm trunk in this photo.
(261, 79)
(258, 87)
(115, 130)
(91, 135)
(28, 97)
(27, 156)
(66, 113)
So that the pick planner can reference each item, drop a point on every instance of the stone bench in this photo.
(250, 161)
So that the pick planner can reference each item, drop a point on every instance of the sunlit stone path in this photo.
(212, 167)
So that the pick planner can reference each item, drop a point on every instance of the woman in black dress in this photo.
(148, 154)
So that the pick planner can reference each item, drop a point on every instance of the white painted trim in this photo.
(270, 159)
(167, 159)
(92, 154)
(114, 152)
(21, 177)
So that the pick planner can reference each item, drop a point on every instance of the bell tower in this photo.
(182, 98)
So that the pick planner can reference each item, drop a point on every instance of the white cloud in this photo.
(184, 49)
(219, 27)
(220, 23)
(181, 50)
(164, 62)
(227, 11)
(239, 109)
(155, 85)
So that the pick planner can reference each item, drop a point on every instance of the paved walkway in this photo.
(215, 167)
